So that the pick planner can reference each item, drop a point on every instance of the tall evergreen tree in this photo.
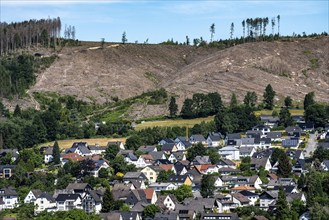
(282, 208)
(288, 102)
(285, 117)
(173, 107)
(207, 185)
(231, 30)
(108, 201)
(124, 38)
(216, 102)
(284, 167)
(17, 111)
(234, 101)
(269, 95)
(309, 100)
(250, 99)
(187, 110)
(56, 153)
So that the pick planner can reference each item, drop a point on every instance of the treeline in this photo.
(25, 34)
(202, 105)
(18, 73)
(59, 118)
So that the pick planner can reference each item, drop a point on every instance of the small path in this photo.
(311, 145)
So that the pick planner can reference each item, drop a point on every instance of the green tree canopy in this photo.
(208, 185)
(150, 210)
(56, 153)
(173, 107)
(269, 95)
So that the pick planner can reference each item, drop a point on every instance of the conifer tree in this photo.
(108, 201)
(234, 101)
(284, 167)
(173, 107)
(56, 153)
(282, 206)
(269, 95)
(17, 111)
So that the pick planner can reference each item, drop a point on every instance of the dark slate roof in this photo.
(226, 162)
(84, 149)
(300, 164)
(129, 215)
(64, 197)
(78, 186)
(325, 145)
(8, 191)
(258, 162)
(265, 140)
(167, 147)
(287, 188)
(197, 138)
(163, 161)
(274, 134)
(36, 192)
(254, 134)
(290, 142)
(306, 126)
(156, 155)
(295, 154)
(214, 138)
(233, 136)
(95, 195)
(179, 155)
(147, 149)
(291, 129)
(134, 175)
(248, 193)
(246, 150)
(168, 140)
(264, 153)
(47, 196)
(269, 118)
(49, 151)
(132, 156)
(177, 178)
(179, 168)
(77, 144)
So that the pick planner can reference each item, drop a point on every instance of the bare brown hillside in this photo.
(292, 68)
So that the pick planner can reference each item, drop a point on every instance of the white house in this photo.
(162, 186)
(32, 195)
(141, 163)
(218, 183)
(43, 202)
(325, 165)
(48, 155)
(214, 139)
(230, 152)
(92, 202)
(8, 197)
(99, 164)
(167, 202)
(262, 128)
(65, 202)
(198, 138)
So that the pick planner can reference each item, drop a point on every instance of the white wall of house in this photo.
(69, 204)
(42, 204)
(48, 158)
(10, 202)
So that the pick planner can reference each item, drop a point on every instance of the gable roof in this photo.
(197, 138)
(64, 197)
(259, 162)
(78, 186)
(147, 149)
(168, 147)
(166, 167)
(233, 136)
(201, 160)
(226, 162)
(149, 193)
(291, 129)
(248, 193)
(178, 178)
(156, 154)
(274, 134)
(134, 175)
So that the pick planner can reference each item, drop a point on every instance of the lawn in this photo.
(269, 112)
(171, 123)
(63, 144)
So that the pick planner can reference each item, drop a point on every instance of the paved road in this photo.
(311, 145)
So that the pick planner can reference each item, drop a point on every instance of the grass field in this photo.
(171, 123)
(269, 112)
(63, 144)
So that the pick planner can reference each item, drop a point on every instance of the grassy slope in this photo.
(172, 123)
(63, 144)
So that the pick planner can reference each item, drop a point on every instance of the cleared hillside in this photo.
(90, 73)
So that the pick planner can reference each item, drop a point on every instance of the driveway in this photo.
(311, 145)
